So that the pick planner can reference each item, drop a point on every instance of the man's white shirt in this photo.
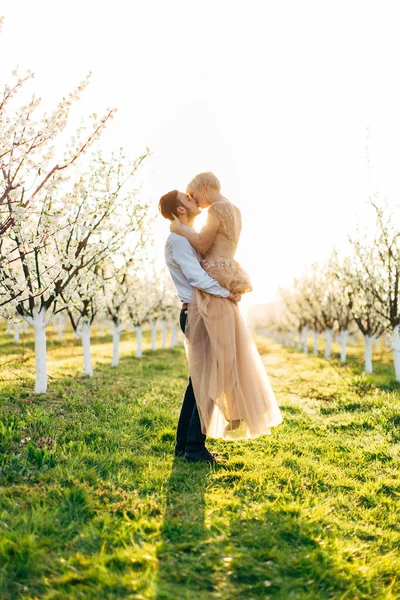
(186, 271)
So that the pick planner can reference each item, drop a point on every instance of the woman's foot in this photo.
(232, 425)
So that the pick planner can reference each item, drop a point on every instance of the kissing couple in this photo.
(229, 395)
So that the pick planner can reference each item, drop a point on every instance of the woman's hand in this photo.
(235, 297)
(175, 226)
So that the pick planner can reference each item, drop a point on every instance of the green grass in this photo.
(102, 510)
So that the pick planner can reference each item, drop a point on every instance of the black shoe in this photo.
(212, 452)
(179, 452)
(203, 455)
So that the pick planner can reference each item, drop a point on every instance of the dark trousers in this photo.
(189, 435)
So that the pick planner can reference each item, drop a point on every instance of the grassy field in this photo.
(94, 506)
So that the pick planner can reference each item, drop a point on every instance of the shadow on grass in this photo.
(283, 555)
(182, 559)
(279, 553)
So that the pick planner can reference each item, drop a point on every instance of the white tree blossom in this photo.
(30, 167)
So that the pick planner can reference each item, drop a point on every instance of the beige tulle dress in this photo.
(233, 393)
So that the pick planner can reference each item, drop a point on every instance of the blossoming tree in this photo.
(30, 167)
(70, 232)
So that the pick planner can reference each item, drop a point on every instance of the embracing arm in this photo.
(204, 240)
(185, 257)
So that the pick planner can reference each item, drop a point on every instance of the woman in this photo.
(233, 393)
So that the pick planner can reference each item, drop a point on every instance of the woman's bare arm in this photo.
(204, 240)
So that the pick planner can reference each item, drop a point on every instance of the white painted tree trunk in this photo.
(39, 328)
(343, 335)
(153, 335)
(164, 333)
(9, 328)
(377, 343)
(17, 332)
(315, 347)
(139, 342)
(87, 357)
(293, 340)
(396, 351)
(116, 340)
(101, 330)
(25, 327)
(328, 346)
(299, 341)
(174, 336)
(304, 332)
(368, 353)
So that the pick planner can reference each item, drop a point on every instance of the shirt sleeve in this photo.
(185, 257)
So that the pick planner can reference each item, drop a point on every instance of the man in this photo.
(184, 265)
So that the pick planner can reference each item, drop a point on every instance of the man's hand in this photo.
(235, 298)
(175, 225)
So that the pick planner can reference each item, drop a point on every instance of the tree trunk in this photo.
(299, 341)
(328, 346)
(293, 339)
(164, 333)
(116, 340)
(25, 327)
(315, 348)
(87, 357)
(396, 351)
(343, 343)
(39, 328)
(153, 335)
(368, 353)
(9, 327)
(174, 336)
(17, 332)
(304, 332)
(139, 339)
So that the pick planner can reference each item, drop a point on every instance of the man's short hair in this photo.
(168, 205)
(207, 177)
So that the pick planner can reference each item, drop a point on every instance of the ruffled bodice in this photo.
(219, 260)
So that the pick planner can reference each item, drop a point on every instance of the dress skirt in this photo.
(233, 394)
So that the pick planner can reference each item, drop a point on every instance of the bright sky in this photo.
(274, 97)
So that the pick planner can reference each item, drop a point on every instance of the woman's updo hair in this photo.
(207, 177)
